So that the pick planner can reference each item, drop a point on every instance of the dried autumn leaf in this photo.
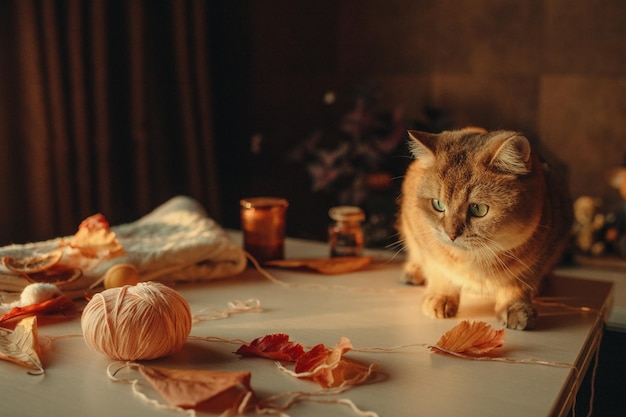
(274, 346)
(330, 266)
(212, 390)
(21, 346)
(471, 338)
(312, 359)
(328, 368)
(53, 305)
(94, 239)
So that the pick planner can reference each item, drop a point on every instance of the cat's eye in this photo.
(438, 205)
(478, 210)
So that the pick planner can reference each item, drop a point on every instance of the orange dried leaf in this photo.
(273, 346)
(471, 338)
(213, 390)
(94, 239)
(21, 346)
(53, 305)
(327, 366)
(330, 266)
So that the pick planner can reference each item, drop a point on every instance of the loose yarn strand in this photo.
(252, 305)
(506, 360)
(270, 406)
(266, 274)
(297, 396)
(390, 349)
(49, 339)
(593, 379)
(541, 302)
(218, 339)
(359, 379)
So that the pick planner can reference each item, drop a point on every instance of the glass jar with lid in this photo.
(345, 234)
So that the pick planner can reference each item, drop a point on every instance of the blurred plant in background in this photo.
(361, 157)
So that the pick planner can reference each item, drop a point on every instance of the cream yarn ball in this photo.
(146, 321)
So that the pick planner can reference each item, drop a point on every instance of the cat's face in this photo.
(477, 191)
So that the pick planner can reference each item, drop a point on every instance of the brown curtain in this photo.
(105, 106)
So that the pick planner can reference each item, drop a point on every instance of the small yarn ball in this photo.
(120, 275)
(145, 321)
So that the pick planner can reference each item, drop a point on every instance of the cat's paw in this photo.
(518, 316)
(440, 306)
(411, 274)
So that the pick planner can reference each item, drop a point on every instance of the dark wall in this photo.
(554, 69)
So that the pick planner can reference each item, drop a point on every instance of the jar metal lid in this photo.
(346, 213)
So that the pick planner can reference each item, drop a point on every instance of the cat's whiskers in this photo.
(415, 236)
(430, 245)
(397, 247)
(496, 256)
(488, 260)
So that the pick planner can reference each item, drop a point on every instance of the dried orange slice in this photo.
(32, 264)
(58, 275)
(329, 266)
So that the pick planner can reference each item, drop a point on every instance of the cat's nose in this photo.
(452, 236)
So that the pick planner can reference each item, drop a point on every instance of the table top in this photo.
(372, 309)
(616, 320)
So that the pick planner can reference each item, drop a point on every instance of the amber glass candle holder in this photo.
(263, 226)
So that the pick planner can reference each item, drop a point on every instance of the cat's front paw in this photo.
(411, 274)
(440, 306)
(518, 316)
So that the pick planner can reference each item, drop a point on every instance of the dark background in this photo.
(555, 70)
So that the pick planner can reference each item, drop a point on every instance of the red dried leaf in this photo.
(327, 366)
(471, 338)
(312, 359)
(274, 346)
(53, 305)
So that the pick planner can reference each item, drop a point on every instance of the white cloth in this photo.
(175, 242)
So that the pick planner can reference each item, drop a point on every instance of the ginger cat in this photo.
(480, 211)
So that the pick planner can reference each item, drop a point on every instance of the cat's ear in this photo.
(422, 145)
(512, 153)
